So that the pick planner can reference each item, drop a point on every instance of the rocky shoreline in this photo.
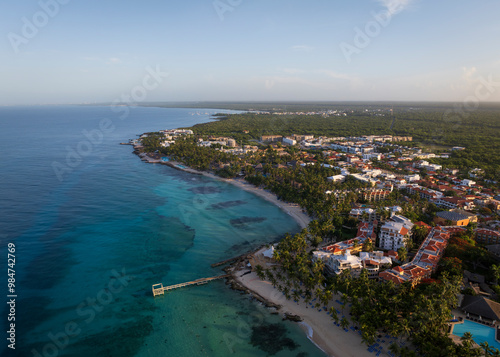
(241, 264)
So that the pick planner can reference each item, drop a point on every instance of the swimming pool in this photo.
(480, 333)
(181, 166)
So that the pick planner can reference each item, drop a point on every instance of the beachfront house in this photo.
(336, 264)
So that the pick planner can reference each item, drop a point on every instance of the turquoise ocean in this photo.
(94, 228)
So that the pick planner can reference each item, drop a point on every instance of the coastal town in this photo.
(380, 211)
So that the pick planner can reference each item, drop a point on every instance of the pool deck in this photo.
(459, 314)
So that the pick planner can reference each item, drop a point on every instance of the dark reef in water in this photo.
(272, 338)
(41, 266)
(243, 222)
(227, 204)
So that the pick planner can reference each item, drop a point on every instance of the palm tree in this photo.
(334, 314)
(344, 323)
(394, 348)
(495, 271)
(467, 339)
(488, 350)
(402, 253)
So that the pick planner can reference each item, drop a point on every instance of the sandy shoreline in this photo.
(317, 325)
(293, 210)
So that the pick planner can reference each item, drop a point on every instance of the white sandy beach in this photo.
(294, 210)
(330, 338)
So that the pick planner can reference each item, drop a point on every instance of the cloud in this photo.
(286, 82)
(395, 6)
(114, 60)
(301, 48)
(336, 75)
(468, 73)
(292, 70)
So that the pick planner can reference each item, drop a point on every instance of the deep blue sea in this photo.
(94, 228)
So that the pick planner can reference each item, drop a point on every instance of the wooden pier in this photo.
(159, 289)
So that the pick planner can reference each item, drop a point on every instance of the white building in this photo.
(210, 143)
(289, 141)
(336, 178)
(166, 143)
(373, 261)
(396, 233)
(372, 173)
(411, 178)
(468, 183)
(377, 256)
(370, 156)
(365, 179)
(358, 213)
(338, 263)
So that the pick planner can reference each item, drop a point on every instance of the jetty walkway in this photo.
(159, 289)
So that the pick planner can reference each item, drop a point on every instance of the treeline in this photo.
(297, 106)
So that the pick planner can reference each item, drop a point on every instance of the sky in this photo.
(69, 51)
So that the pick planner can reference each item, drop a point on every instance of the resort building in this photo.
(453, 203)
(425, 193)
(369, 214)
(424, 262)
(336, 178)
(338, 263)
(365, 234)
(487, 236)
(271, 138)
(478, 308)
(374, 195)
(339, 256)
(289, 141)
(366, 214)
(450, 218)
(395, 233)
(373, 261)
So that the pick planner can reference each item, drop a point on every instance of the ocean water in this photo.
(94, 228)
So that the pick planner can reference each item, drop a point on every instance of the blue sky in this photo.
(97, 51)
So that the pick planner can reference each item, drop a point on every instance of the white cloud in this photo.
(269, 83)
(114, 60)
(395, 6)
(292, 70)
(468, 73)
(336, 75)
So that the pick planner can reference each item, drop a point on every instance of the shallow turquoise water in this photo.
(90, 246)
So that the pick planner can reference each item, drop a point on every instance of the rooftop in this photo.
(452, 216)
